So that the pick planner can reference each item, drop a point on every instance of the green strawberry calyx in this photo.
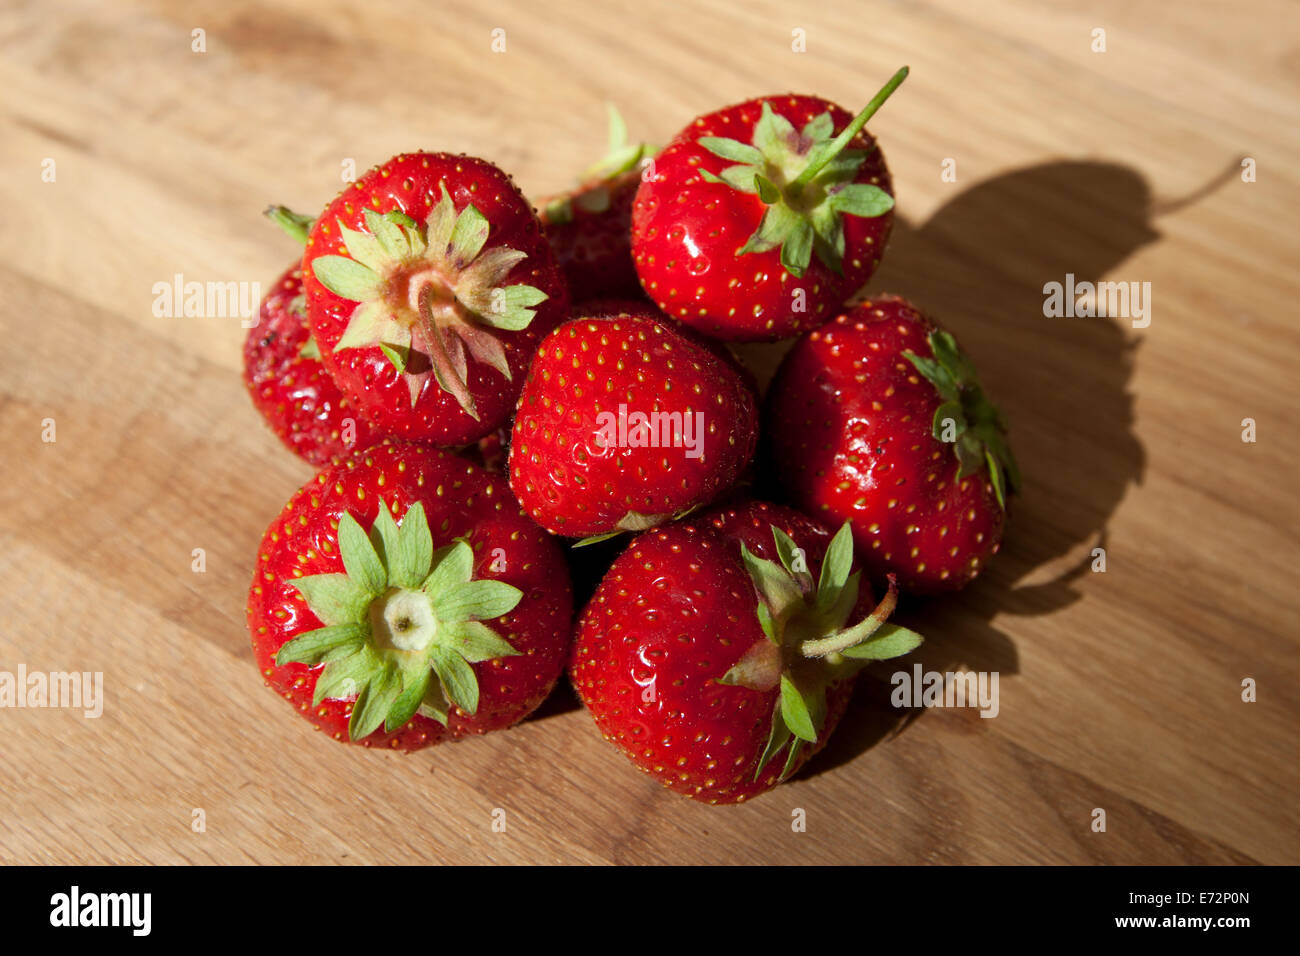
(635, 521)
(809, 642)
(593, 194)
(430, 296)
(804, 178)
(966, 418)
(402, 626)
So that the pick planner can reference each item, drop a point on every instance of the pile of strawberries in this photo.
(483, 383)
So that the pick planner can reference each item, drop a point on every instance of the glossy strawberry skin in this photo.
(641, 307)
(594, 246)
(294, 393)
(674, 613)
(686, 232)
(410, 184)
(849, 424)
(571, 484)
(459, 499)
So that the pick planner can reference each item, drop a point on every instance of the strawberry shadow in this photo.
(563, 699)
(979, 265)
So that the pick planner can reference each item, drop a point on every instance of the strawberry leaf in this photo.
(334, 598)
(777, 738)
(364, 248)
(363, 565)
(794, 711)
(414, 686)
(732, 149)
(792, 758)
(786, 551)
(311, 647)
(861, 199)
(766, 623)
(820, 127)
(887, 642)
(774, 135)
(373, 703)
(767, 190)
(835, 569)
(397, 355)
(740, 178)
(389, 236)
(439, 224)
(452, 566)
(457, 678)
(346, 278)
(468, 235)
(773, 583)
(435, 705)
(796, 251)
(408, 565)
(383, 535)
(475, 641)
(512, 307)
(344, 677)
(759, 668)
(370, 324)
(477, 601)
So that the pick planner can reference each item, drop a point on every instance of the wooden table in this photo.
(1119, 690)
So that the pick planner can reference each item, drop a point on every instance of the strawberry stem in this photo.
(444, 368)
(843, 640)
(295, 225)
(837, 145)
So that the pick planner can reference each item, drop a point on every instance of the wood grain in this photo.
(1119, 691)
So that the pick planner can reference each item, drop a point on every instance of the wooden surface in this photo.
(1119, 691)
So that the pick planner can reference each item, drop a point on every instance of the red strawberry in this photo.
(289, 385)
(761, 219)
(429, 283)
(401, 599)
(623, 423)
(590, 227)
(879, 420)
(714, 668)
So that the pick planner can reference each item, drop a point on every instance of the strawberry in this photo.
(429, 283)
(590, 227)
(761, 219)
(289, 385)
(402, 599)
(623, 424)
(878, 419)
(719, 653)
